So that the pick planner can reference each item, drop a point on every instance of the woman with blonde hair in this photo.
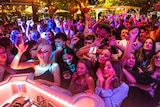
(45, 72)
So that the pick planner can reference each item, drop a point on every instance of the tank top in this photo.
(47, 75)
(76, 88)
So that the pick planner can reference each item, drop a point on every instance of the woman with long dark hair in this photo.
(111, 86)
(82, 81)
(67, 61)
(145, 53)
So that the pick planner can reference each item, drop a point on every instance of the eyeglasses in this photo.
(41, 52)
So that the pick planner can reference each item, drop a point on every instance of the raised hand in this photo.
(99, 73)
(87, 17)
(97, 41)
(74, 76)
(100, 77)
(133, 33)
(21, 46)
(112, 41)
(109, 82)
(28, 22)
(74, 40)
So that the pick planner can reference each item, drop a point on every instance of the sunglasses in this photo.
(42, 52)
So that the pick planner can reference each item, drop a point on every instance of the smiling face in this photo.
(148, 45)
(124, 34)
(67, 58)
(104, 56)
(131, 61)
(108, 70)
(3, 54)
(157, 60)
(44, 52)
(81, 69)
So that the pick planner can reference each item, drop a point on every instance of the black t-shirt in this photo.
(66, 74)
(143, 78)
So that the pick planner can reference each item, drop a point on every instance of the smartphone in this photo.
(31, 23)
(19, 21)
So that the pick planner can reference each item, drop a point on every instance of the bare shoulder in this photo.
(55, 64)
(55, 67)
(90, 78)
(124, 70)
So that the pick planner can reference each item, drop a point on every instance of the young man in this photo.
(59, 43)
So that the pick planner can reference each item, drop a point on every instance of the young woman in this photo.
(145, 53)
(7, 44)
(139, 91)
(5, 69)
(82, 81)
(67, 61)
(106, 55)
(45, 72)
(102, 57)
(110, 85)
(49, 37)
(32, 49)
(155, 68)
(29, 55)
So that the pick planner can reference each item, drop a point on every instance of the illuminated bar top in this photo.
(20, 88)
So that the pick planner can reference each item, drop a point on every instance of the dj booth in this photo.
(20, 91)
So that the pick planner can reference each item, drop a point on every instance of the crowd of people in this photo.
(116, 57)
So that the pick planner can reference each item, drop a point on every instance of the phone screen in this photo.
(31, 23)
(19, 21)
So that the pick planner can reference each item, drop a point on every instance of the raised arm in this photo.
(28, 30)
(129, 78)
(113, 42)
(132, 36)
(69, 21)
(87, 18)
(22, 28)
(85, 49)
(16, 64)
(96, 24)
